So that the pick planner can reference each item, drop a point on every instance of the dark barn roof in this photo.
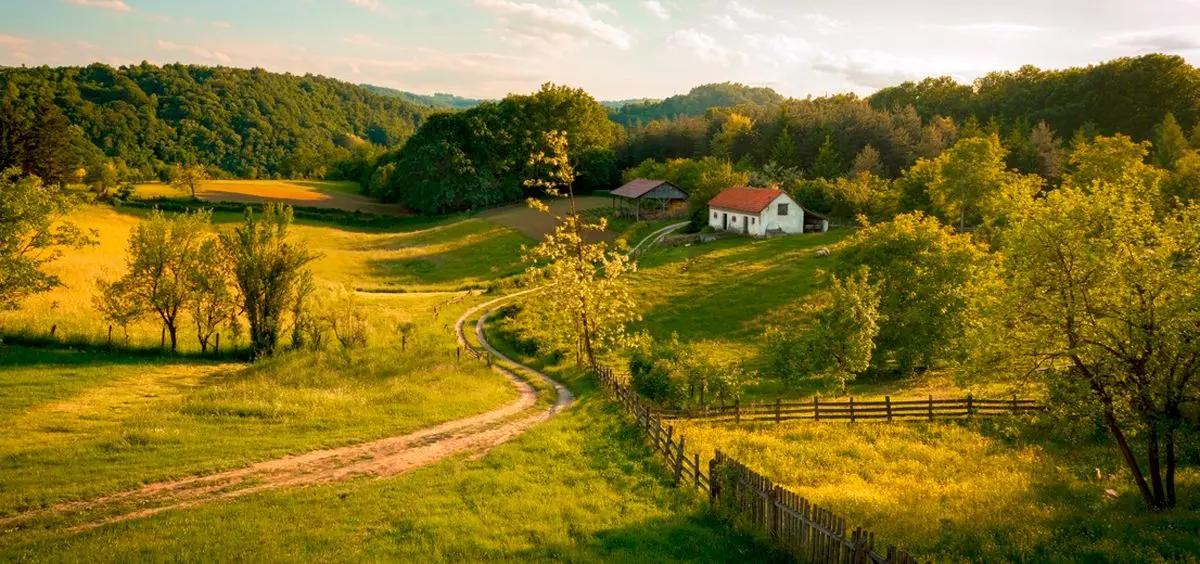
(640, 187)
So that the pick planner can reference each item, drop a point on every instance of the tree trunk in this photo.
(1123, 445)
(174, 339)
(1155, 469)
(1170, 477)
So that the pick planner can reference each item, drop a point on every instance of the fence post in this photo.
(679, 462)
(852, 419)
(714, 485)
(1014, 404)
(778, 406)
(888, 401)
(737, 411)
(458, 354)
(931, 407)
(110, 336)
(404, 342)
(773, 511)
(970, 401)
(54, 329)
(696, 461)
(816, 408)
(670, 441)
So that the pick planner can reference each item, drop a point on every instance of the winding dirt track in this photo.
(381, 458)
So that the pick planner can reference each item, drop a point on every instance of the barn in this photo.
(760, 212)
(650, 196)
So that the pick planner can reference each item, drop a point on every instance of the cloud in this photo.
(568, 22)
(869, 69)
(778, 50)
(703, 46)
(364, 40)
(12, 40)
(196, 50)
(655, 7)
(222, 25)
(823, 24)
(724, 21)
(992, 28)
(1171, 40)
(368, 4)
(117, 5)
(744, 11)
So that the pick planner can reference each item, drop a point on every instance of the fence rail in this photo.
(808, 532)
(889, 409)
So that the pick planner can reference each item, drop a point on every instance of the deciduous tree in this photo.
(33, 233)
(267, 270)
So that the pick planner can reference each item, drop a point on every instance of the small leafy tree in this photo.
(188, 179)
(1103, 293)
(164, 253)
(267, 269)
(833, 336)
(118, 305)
(211, 300)
(828, 164)
(925, 274)
(345, 316)
(586, 291)
(32, 234)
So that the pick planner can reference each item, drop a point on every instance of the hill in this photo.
(246, 123)
(440, 100)
(698, 101)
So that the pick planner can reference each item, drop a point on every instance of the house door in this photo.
(724, 221)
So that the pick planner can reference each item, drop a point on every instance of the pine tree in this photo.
(1170, 144)
(785, 149)
(828, 164)
(867, 160)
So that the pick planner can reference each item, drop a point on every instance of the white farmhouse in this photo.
(760, 212)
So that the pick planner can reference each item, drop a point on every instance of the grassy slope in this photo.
(83, 425)
(947, 491)
(582, 487)
(418, 255)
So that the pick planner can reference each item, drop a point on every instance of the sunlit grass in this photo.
(81, 424)
(1000, 490)
(449, 254)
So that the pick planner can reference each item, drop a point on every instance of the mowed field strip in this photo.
(301, 193)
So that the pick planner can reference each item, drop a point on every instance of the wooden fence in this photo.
(808, 532)
(889, 409)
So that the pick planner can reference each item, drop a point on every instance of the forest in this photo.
(238, 123)
(141, 120)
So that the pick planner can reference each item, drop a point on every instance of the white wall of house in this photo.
(784, 214)
(737, 222)
(771, 218)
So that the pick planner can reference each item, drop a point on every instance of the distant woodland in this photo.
(437, 155)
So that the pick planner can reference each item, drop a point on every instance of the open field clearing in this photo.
(302, 193)
(997, 490)
(437, 255)
(535, 224)
(580, 487)
(116, 422)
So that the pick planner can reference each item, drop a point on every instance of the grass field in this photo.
(580, 488)
(535, 224)
(85, 424)
(429, 255)
(307, 193)
(984, 491)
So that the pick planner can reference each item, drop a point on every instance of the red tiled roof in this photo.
(638, 188)
(743, 199)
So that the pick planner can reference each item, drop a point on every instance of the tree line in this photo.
(145, 118)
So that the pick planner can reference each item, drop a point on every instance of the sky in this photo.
(614, 49)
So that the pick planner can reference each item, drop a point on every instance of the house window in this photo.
(752, 221)
(783, 209)
(734, 220)
(714, 215)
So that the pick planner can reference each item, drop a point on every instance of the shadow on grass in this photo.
(15, 355)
